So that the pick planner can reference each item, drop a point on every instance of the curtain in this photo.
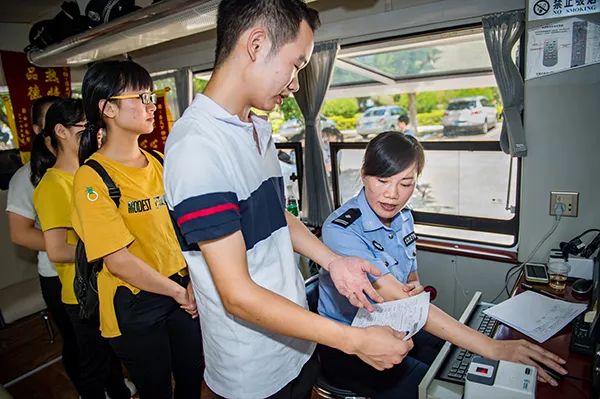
(184, 88)
(502, 31)
(317, 203)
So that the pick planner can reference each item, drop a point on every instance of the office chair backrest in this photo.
(311, 285)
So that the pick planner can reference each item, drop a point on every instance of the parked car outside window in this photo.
(475, 114)
(295, 127)
(379, 119)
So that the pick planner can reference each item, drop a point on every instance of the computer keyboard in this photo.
(457, 362)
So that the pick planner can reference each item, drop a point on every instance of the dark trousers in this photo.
(99, 368)
(51, 291)
(401, 381)
(301, 386)
(159, 340)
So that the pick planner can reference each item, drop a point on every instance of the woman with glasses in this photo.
(52, 173)
(147, 307)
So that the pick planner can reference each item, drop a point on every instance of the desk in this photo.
(579, 366)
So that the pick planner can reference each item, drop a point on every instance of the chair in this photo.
(20, 292)
(323, 387)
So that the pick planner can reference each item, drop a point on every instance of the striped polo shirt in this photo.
(217, 183)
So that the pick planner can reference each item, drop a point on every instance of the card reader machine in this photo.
(492, 379)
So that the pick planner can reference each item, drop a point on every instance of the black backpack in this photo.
(102, 11)
(66, 23)
(85, 283)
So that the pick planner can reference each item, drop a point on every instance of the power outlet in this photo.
(570, 200)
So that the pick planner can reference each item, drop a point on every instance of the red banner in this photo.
(26, 83)
(162, 125)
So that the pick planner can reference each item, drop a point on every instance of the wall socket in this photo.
(571, 201)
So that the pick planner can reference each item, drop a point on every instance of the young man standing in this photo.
(403, 122)
(224, 187)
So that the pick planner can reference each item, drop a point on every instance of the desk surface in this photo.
(579, 366)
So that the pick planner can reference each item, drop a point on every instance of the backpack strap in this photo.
(113, 191)
(157, 155)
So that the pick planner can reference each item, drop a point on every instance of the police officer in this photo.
(376, 226)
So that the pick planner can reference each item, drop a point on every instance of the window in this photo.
(469, 187)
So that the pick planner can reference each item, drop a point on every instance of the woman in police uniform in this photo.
(376, 225)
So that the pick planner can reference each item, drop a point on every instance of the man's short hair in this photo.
(404, 118)
(281, 18)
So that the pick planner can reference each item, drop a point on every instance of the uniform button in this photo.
(386, 263)
(391, 236)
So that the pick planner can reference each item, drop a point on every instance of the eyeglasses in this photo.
(146, 97)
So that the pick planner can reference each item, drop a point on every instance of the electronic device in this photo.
(550, 53)
(581, 339)
(582, 287)
(536, 273)
(499, 379)
(579, 43)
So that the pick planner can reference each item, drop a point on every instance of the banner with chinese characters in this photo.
(26, 83)
(162, 125)
(544, 9)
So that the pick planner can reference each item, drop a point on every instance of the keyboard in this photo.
(457, 362)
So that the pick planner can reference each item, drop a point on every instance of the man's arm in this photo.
(381, 347)
(24, 233)
(349, 274)
(447, 328)
(59, 251)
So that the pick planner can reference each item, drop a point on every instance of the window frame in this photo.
(471, 223)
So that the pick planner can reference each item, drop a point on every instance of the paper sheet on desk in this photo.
(535, 315)
(405, 315)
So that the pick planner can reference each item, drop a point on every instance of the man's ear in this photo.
(36, 128)
(257, 42)
(109, 108)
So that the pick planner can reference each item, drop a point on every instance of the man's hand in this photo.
(349, 274)
(521, 351)
(381, 347)
(413, 288)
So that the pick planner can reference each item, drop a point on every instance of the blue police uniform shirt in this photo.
(355, 230)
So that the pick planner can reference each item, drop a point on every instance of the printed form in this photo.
(404, 315)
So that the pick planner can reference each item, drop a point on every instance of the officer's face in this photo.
(388, 195)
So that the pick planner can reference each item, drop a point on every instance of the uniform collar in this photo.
(371, 221)
(263, 127)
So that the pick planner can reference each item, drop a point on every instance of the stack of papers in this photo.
(535, 315)
(405, 315)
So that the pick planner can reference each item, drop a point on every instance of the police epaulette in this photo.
(347, 218)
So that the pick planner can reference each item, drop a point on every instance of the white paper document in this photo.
(405, 315)
(535, 315)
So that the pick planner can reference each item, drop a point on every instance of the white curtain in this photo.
(502, 31)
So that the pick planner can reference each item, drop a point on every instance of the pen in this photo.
(546, 293)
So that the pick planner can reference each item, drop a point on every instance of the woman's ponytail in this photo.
(88, 143)
(41, 158)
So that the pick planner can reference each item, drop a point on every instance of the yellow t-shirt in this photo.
(52, 199)
(141, 223)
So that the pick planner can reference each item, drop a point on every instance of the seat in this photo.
(20, 291)
(323, 387)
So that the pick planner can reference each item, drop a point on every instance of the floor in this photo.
(24, 346)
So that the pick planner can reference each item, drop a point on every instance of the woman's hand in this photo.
(522, 351)
(413, 288)
(191, 308)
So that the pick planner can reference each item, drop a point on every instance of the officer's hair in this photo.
(281, 19)
(390, 153)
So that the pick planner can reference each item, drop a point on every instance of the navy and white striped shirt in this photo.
(217, 183)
